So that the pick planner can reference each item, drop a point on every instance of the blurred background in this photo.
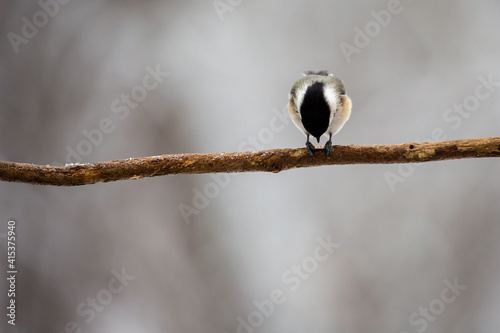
(413, 248)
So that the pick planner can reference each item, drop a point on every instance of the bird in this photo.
(318, 105)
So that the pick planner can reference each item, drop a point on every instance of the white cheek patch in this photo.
(300, 97)
(332, 98)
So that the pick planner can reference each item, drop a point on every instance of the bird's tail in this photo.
(324, 73)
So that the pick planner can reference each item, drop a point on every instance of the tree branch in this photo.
(275, 160)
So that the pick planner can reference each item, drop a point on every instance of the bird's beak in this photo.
(317, 138)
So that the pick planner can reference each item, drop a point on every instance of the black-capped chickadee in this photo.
(319, 106)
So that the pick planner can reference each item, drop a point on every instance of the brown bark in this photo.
(275, 160)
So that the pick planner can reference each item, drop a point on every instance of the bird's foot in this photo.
(310, 149)
(328, 148)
